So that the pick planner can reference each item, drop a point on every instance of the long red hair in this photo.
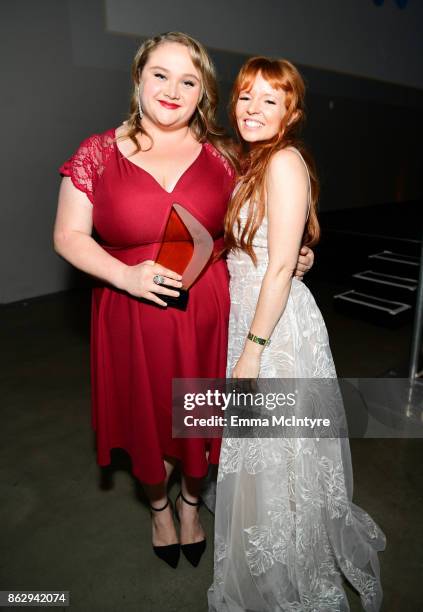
(280, 74)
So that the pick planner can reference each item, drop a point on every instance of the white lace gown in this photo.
(286, 530)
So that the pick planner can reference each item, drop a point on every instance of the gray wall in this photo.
(65, 75)
(50, 101)
(351, 36)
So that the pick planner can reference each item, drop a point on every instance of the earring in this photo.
(140, 111)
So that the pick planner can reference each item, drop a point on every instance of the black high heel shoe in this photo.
(192, 552)
(169, 554)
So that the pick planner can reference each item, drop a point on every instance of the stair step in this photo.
(397, 257)
(388, 279)
(393, 263)
(389, 286)
(374, 308)
(371, 301)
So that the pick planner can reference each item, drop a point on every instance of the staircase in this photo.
(373, 254)
(385, 292)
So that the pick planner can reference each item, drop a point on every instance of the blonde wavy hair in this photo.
(203, 122)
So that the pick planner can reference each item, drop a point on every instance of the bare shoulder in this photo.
(287, 163)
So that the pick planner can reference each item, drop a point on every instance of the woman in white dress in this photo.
(286, 530)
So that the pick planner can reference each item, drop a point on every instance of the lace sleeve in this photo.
(230, 171)
(85, 165)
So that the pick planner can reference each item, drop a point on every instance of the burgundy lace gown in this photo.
(136, 346)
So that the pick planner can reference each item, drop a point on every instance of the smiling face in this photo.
(259, 111)
(170, 86)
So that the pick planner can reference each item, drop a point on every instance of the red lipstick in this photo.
(169, 104)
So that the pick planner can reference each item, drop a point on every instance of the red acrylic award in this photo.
(186, 248)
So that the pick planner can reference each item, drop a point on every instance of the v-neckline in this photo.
(153, 178)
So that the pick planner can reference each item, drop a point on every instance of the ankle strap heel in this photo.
(169, 554)
(190, 503)
(160, 509)
(192, 552)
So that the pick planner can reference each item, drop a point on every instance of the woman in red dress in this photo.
(123, 183)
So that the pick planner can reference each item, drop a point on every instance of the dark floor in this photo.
(68, 525)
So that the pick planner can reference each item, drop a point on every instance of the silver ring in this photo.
(158, 279)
